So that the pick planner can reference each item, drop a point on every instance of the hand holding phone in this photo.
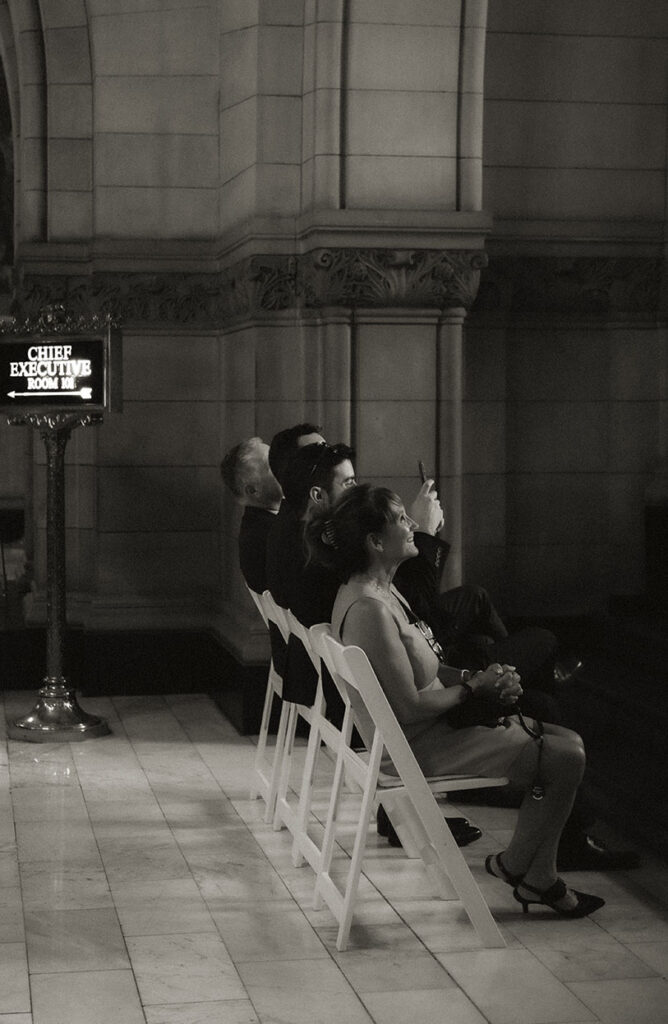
(426, 509)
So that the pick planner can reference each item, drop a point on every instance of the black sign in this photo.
(59, 371)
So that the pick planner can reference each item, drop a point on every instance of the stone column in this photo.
(449, 436)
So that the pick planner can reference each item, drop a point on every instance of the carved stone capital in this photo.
(378, 278)
(258, 284)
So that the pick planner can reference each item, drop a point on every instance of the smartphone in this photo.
(423, 472)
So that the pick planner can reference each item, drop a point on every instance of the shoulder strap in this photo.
(410, 614)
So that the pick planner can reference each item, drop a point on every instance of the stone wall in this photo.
(567, 350)
(283, 201)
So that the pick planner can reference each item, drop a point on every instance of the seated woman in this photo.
(364, 537)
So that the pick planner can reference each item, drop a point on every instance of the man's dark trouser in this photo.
(475, 637)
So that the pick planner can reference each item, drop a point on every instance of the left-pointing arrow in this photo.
(83, 393)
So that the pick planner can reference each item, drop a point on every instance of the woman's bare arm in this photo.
(370, 625)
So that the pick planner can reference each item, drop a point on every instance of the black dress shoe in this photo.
(463, 832)
(589, 855)
(383, 823)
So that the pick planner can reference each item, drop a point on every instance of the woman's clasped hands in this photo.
(500, 682)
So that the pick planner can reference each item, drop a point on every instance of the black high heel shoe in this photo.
(586, 902)
(504, 876)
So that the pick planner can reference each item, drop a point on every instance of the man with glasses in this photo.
(314, 477)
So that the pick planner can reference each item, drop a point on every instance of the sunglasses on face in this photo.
(325, 451)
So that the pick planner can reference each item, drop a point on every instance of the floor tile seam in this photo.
(166, 708)
(142, 769)
(172, 934)
(186, 935)
(434, 954)
(317, 960)
(205, 906)
(76, 910)
(241, 823)
(124, 970)
(193, 746)
(601, 981)
(82, 970)
(229, 962)
(97, 845)
(566, 985)
(108, 893)
(297, 906)
(194, 742)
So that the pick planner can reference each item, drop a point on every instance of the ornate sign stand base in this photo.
(56, 717)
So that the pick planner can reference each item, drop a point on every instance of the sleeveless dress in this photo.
(438, 748)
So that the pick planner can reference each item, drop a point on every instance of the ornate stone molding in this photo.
(357, 278)
(380, 278)
(55, 319)
(263, 284)
(571, 286)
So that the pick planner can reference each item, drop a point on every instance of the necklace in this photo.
(373, 582)
(385, 594)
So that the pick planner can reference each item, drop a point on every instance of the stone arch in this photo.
(23, 59)
(11, 80)
(69, 136)
(46, 57)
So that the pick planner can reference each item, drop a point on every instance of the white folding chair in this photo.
(266, 772)
(408, 797)
(323, 737)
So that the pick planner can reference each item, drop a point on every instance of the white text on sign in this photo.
(50, 368)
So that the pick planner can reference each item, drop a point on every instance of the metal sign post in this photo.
(55, 375)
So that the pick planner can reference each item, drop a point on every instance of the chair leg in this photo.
(285, 765)
(308, 777)
(276, 765)
(262, 742)
(327, 849)
(342, 904)
(444, 856)
(355, 870)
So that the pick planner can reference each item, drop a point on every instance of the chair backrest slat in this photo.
(366, 693)
(276, 614)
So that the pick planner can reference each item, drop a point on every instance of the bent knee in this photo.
(569, 736)
(568, 753)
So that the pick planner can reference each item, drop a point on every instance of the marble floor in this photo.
(139, 885)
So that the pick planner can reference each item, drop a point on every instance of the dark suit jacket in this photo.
(255, 524)
(253, 532)
(307, 590)
(304, 587)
